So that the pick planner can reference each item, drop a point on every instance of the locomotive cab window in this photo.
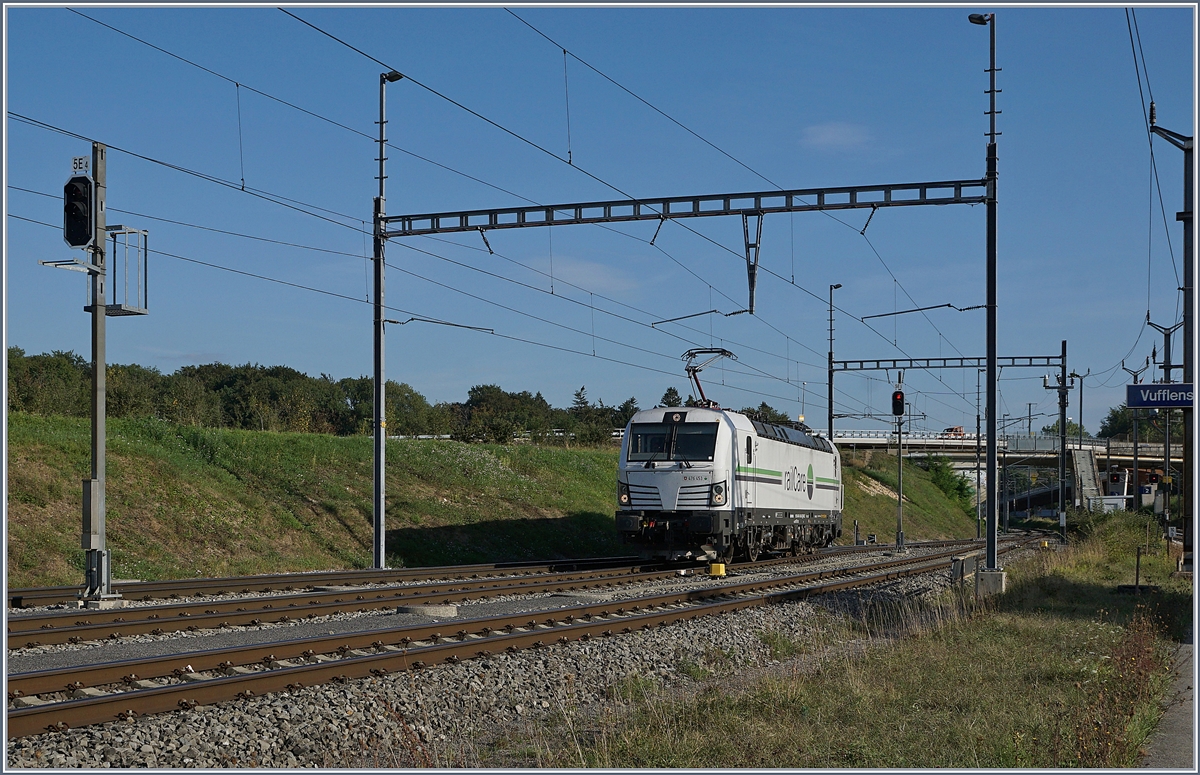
(749, 450)
(648, 441)
(695, 441)
(672, 441)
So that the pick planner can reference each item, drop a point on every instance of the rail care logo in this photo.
(796, 481)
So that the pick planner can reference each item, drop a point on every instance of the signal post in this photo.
(898, 411)
(85, 227)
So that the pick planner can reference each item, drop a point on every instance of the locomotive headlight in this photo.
(718, 494)
(623, 493)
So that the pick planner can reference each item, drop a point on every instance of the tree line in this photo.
(279, 398)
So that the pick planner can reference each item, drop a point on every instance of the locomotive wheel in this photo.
(795, 550)
(752, 548)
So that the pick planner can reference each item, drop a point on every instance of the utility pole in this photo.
(1185, 144)
(1137, 483)
(978, 483)
(832, 288)
(1167, 368)
(380, 418)
(1063, 387)
(1029, 416)
(1081, 378)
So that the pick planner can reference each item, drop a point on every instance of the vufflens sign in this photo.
(1177, 396)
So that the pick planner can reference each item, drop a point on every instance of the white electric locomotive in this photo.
(708, 483)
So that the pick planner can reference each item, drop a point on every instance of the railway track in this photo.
(36, 597)
(84, 625)
(90, 694)
(33, 597)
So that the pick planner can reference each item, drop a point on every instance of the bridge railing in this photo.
(1010, 442)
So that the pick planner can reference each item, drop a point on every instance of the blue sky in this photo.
(804, 97)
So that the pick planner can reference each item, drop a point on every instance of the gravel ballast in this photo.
(439, 715)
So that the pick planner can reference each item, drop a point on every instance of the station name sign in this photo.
(1177, 396)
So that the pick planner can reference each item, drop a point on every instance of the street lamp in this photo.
(832, 288)
(990, 20)
(380, 321)
(1184, 144)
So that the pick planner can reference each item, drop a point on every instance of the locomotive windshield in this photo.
(672, 441)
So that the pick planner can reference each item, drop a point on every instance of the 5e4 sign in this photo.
(81, 165)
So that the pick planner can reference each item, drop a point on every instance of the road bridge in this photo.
(1030, 449)
(1088, 460)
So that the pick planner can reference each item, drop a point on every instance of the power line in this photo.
(306, 111)
(510, 132)
(724, 153)
(274, 197)
(591, 305)
(407, 312)
(440, 257)
(368, 136)
(282, 200)
(278, 199)
(343, 296)
(204, 228)
(334, 294)
(640, 99)
(1132, 28)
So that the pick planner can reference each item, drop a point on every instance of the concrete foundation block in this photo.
(990, 582)
(429, 610)
(103, 604)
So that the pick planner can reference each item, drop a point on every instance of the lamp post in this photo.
(1185, 144)
(832, 288)
(989, 20)
(380, 419)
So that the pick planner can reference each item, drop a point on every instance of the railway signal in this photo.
(898, 403)
(85, 227)
(79, 222)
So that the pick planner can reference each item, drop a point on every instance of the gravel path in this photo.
(434, 716)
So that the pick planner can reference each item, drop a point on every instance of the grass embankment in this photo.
(870, 495)
(1061, 671)
(185, 501)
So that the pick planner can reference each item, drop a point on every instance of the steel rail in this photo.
(77, 625)
(30, 597)
(511, 633)
(152, 667)
(70, 628)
